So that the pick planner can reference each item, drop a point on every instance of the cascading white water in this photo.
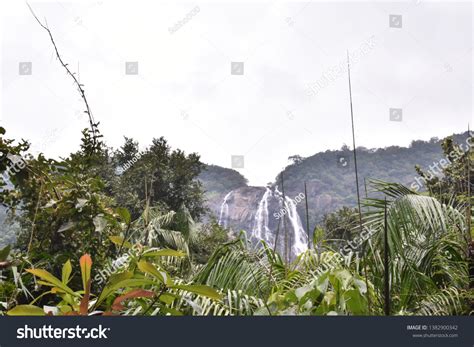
(299, 238)
(261, 231)
(224, 214)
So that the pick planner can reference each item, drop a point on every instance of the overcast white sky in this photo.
(185, 91)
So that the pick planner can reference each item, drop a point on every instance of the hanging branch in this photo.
(80, 86)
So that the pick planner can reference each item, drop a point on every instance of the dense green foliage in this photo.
(124, 231)
(131, 221)
(158, 174)
(340, 226)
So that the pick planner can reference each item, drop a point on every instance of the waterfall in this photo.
(261, 231)
(224, 214)
(299, 237)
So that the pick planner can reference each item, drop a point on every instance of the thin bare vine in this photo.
(93, 125)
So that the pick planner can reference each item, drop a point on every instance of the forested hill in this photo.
(219, 179)
(330, 175)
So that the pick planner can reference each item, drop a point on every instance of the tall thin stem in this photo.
(357, 178)
(34, 219)
(354, 143)
(307, 215)
(469, 203)
(284, 220)
(365, 188)
(277, 236)
(386, 264)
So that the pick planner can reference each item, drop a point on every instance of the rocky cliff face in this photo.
(238, 212)
(329, 186)
(264, 214)
(237, 209)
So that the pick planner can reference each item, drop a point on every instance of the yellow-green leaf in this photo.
(152, 270)
(124, 214)
(4, 253)
(26, 310)
(200, 289)
(119, 241)
(66, 273)
(168, 299)
(126, 283)
(116, 278)
(53, 281)
(165, 253)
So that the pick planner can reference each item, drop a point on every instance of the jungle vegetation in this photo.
(94, 239)
(108, 231)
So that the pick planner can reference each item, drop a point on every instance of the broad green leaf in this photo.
(4, 253)
(356, 302)
(124, 214)
(199, 289)
(111, 285)
(165, 253)
(168, 299)
(66, 273)
(152, 270)
(116, 278)
(53, 281)
(119, 241)
(26, 310)
(125, 283)
(291, 297)
(48, 284)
